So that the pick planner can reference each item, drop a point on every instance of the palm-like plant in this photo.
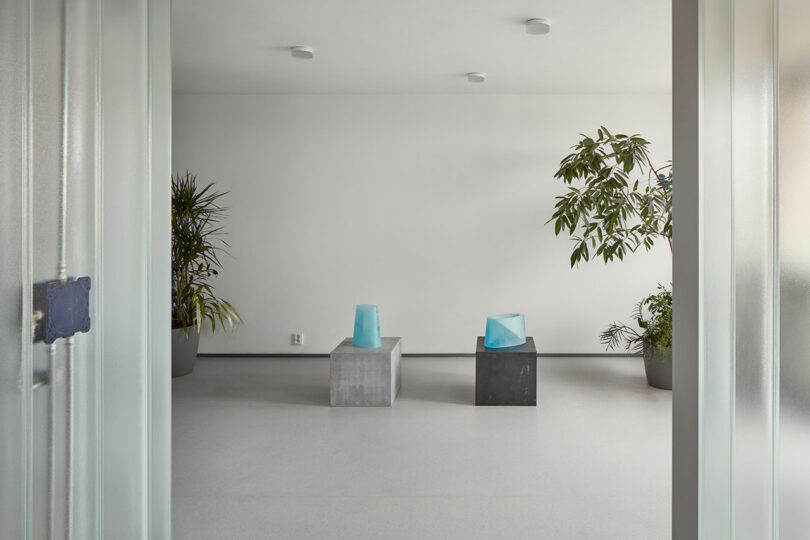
(196, 244)
(654, 316)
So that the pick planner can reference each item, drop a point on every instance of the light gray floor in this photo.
(258, 453)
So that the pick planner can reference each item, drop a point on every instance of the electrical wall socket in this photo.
(298, 339)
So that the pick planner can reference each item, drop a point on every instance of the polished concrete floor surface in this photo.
(259, 454)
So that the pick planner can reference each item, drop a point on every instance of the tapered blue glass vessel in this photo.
(367, 327)
(507, 330)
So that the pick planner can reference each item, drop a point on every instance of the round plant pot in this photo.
(658, 366)
(184, 350)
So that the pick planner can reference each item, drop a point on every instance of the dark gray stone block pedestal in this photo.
(506, 376)
(365, 377)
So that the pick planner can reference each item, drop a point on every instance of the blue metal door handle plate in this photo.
(64, 308)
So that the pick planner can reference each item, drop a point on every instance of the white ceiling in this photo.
(424, 46)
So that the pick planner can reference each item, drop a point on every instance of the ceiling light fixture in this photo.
(538, 26)
(302, 52)
(476, 77)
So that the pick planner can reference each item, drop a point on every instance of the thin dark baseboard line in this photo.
(413, 355)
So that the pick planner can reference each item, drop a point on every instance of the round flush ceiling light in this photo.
(302, 52)
(476, 77)
(538, 26)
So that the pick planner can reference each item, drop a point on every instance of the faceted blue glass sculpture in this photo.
(507, 330)
(366, 327)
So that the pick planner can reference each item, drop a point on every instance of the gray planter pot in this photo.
(184, 351)
(658, 366)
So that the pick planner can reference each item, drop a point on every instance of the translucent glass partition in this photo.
(794, 257)
(738, 253)
(135, 248)
(16, 369)
(718, 274)
(754, 272)
(754, 185)
(84, 191)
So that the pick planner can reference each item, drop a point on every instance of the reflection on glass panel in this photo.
(794, 253)
(718, 347)
(81, 163)
(48, 416)
(125, 178)
(754, 261)
(15, 391)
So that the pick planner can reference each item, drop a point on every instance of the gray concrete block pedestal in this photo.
(363, 377)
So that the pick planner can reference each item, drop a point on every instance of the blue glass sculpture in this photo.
(366, 327)
(507, 330)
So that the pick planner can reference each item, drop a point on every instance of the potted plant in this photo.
(609, 214)
(196, 245)
(654, 316)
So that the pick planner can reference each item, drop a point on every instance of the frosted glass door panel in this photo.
(794, 248)
(718, 269)
(16, 369)
(740, 362)
(82, 171)
(125, 273)
(754, 187)
(84, 191)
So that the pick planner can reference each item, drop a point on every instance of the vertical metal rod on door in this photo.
(51, 348)
(61, 271)
(69, 386)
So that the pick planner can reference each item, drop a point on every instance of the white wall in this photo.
(431, 206)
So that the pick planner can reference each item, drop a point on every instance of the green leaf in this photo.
(604, 206)
(196, 247)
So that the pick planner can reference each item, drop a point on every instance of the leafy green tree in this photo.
(607, 212)
(618, 202)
